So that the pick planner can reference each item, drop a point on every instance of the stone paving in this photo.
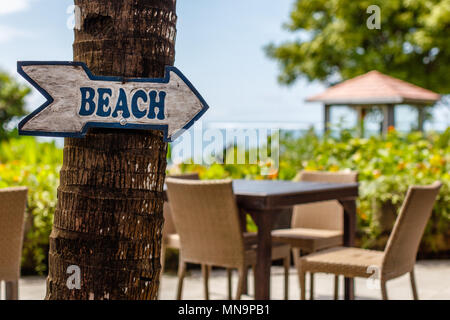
(433, 282)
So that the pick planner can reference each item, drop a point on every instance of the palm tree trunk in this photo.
(109, 218)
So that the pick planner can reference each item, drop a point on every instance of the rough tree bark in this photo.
(109, 219)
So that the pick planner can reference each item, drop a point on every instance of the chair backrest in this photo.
(207, 220)
(169, 227)
(326, 215)
(404, 241)
(12, 217)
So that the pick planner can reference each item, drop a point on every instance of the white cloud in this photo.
(11, 6)
(8, 33)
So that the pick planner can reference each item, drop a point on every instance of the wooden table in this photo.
(263, 201)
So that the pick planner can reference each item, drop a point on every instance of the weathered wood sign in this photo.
(78, 100)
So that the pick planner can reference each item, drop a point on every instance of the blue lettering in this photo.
(140, 94)
(122, 105)
(87, 99)
(103, 102)
(154, 104)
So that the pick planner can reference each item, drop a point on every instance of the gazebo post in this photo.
(420, 117)
(361, 118)
(326, 118)
(389, 117)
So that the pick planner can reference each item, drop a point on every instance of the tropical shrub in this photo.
(12, 102)
(27, 162)
(386, 166)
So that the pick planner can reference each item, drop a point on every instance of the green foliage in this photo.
(12, 101)
(387, 166)
(412, 43)
(26, 162)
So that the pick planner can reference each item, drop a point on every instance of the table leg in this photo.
(243, 222)
(12, 290)
(349, 239)
(264, 220)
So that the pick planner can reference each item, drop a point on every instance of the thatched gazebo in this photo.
(375, 89)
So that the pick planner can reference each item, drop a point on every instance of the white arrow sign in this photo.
(78, 100)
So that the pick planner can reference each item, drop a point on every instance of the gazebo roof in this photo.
(375, 88)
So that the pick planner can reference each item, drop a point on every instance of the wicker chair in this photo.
(399, 255)
(207, 219)
(170, 238)
(316, 226)
(12, 214)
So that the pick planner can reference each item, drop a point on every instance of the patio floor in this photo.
(433, 281)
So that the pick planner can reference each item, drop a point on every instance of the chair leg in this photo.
(12, 290)
(383, 290)
(205, 276)
(181, 275)
(296, 255)
(413, 285)
(245, 289)
(230, 284)
(287, 265)
(163, 258)
(336, 287)
(302, 276)
(311, 286)
(240, 288)
(163, 264)
(254, 278)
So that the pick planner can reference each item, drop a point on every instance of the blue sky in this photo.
(219, 48)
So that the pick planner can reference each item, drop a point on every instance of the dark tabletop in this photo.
(266, 188)
(271, 194)
(268, 194)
